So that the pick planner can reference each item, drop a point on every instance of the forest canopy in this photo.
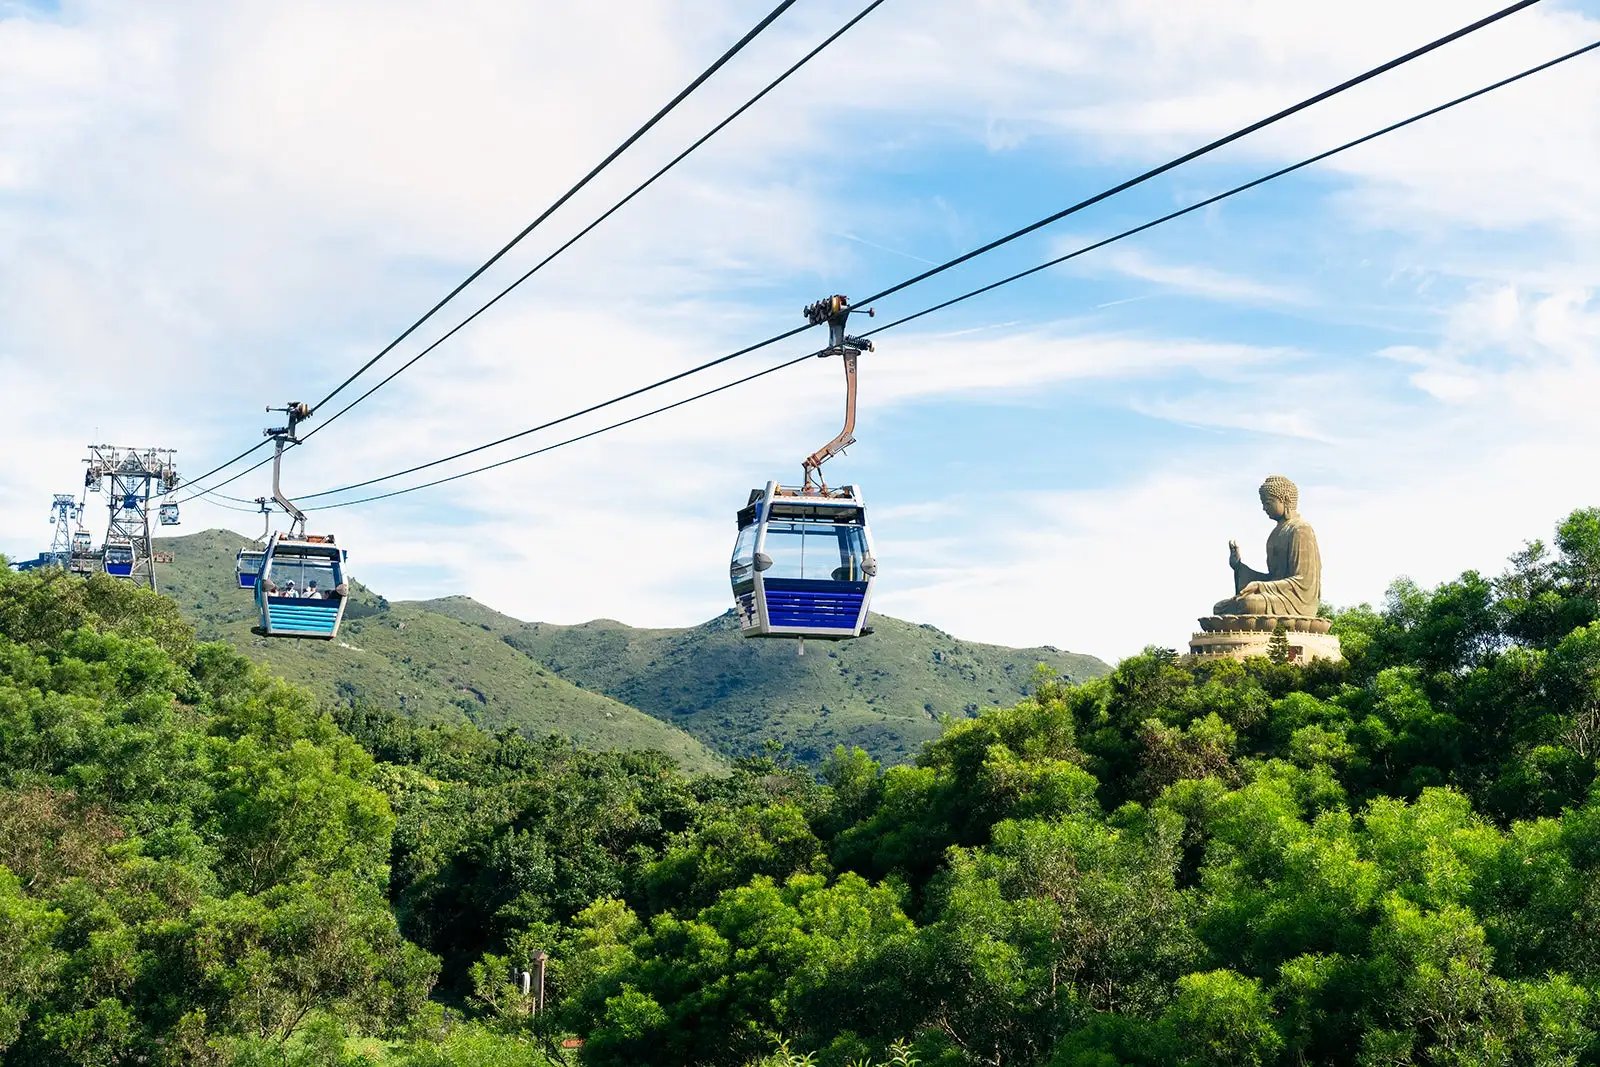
(1394, 859)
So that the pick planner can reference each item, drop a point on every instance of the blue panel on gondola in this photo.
(813, 604)
(306, 618)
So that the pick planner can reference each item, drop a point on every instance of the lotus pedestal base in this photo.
(1243, 636)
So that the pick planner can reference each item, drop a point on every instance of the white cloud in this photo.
(1420, 488)
(1190, 279)
(205, 207)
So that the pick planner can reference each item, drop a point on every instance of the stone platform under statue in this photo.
(1285, 596)
(1243, 636)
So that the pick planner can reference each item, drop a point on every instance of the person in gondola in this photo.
(312, 593)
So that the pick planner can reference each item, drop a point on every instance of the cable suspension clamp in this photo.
(835, 311)
(296, 413)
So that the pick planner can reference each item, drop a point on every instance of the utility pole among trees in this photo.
(133, 473)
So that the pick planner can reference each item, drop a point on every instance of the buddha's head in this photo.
(1279, 497)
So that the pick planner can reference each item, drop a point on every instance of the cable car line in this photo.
(641, 187)
(1208, 201)
(680, 157)
(965, 257)
(197, 493)
(219, 467)
(573, 440)
(565, 418)
(734, 50)
(231, 507)
(1203, 150)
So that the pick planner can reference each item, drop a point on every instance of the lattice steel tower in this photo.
(133, 474)
(65, 514)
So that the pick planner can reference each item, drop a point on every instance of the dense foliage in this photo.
(1391, 860)
(192, 859)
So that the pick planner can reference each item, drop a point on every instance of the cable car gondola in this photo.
(803, 564)
(247, 565)
(169, 514)
(247, 562)
(82, 559)
(118, 558)
(301, 590)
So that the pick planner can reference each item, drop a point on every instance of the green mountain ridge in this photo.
(430, 666)
(691, 692)
(887, 693)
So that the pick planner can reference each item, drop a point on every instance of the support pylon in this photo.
(134, 475)
(65, 513)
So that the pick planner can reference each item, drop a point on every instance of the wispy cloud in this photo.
(1199, 281)
(205, 207)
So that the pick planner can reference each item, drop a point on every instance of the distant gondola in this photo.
(247, 565)
(247, 562)
(82, 560)
(301, 590)
(118, 558)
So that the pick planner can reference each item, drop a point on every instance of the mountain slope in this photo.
(886, 692)
(425, 663)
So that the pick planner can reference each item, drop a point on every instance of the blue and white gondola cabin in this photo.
(803, 564)
(247, 565)
(168, 514)
(301, 591)
(118, 559)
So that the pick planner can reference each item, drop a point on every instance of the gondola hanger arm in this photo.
(282, 435)
(835, 311)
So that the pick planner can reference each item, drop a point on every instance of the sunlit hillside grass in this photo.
(887, 692)
(424, 663)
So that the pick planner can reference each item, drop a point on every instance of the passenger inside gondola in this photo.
(302, 577)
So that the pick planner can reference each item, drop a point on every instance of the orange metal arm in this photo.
(846, 437)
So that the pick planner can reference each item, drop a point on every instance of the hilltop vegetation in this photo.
(1391, 860)
(887, 693)
(689, 692)
(191, 858)
(428, 665)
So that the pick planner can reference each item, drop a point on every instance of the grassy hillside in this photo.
(886, 692)
(425, 663)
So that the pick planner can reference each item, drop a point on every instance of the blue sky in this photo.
(209, 207)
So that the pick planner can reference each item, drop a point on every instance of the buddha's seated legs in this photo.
(1250, 604)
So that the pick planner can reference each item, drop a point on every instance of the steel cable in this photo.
(1198, 205)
